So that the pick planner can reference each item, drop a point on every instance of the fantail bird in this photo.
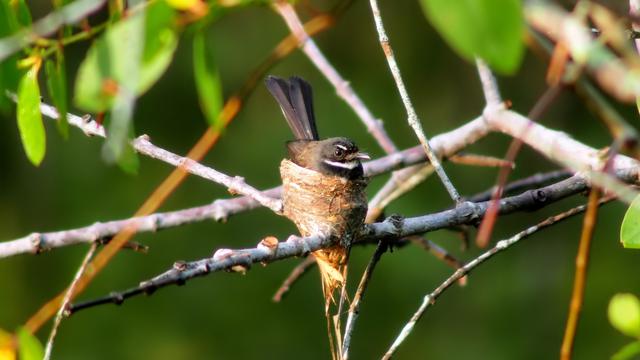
(334, 156)
(323, 182)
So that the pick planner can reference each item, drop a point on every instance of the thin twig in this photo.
(67, 299)
(500, 246)
(343, 88)
(579, 282)
(354, 309)
(533, 181)
(294, 276)
(143, 145)
(413, 119)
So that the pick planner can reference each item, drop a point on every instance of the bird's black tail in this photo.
(296, 101)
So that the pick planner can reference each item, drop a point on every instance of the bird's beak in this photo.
(363, 156)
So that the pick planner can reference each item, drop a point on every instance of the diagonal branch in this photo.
(143, 145)
(413, 119)
(430, 298)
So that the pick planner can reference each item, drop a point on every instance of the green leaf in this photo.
(624, 314)
(29, 347)
(109, 60)
(630, 229)
(629, 351)
(207, 81)
(30, 118)
(57, 86)
(490, 29)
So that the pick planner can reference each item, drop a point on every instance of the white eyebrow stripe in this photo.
(342, 147)
(350, 165)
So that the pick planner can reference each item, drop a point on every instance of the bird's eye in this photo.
(338, 152)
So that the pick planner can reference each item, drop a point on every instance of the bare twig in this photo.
(343, 89)
(294, 276)
(564, 150)
(579, 282)
(67, 299)
(354, 309)
(413, 119)
(235, 184)
(143, 145)
(500, 246)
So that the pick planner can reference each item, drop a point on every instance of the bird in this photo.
(323, 181)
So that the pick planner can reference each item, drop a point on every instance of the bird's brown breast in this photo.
(319, 203)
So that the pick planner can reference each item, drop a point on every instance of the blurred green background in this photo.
(513, 307)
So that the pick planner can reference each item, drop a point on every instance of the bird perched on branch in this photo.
(323, 181)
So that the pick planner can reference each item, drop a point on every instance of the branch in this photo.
(500, 246)
(532, 181)
(413, 119)
(445, 144)
(562, 149)
(579, 282)
(67, 299)
(393, 227)
(354, 309)
(143, 145)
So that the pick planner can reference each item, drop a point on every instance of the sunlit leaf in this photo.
(207, 80)
(624, 314)
(29, 347)
(57, 86)
(29, 117)
(628, 352)
(108, 61)
(7, 346)
(490, 29)
(630, 229)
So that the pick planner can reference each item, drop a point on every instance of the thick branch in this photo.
(394, 227)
